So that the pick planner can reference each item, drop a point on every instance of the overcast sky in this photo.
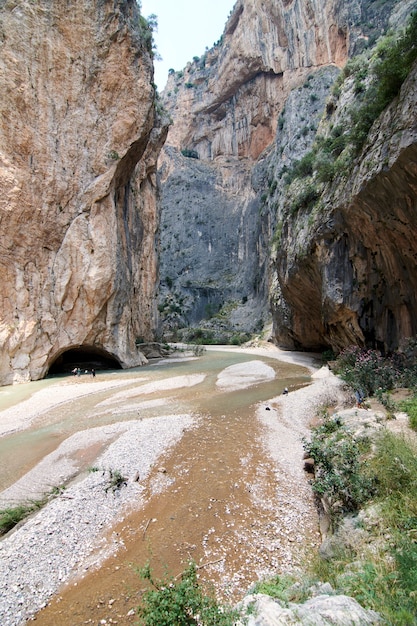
(185, 29)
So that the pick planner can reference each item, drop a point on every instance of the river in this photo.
(216, 497)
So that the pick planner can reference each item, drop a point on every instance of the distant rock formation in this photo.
(78, 206)
(225, 108)
(231, 239)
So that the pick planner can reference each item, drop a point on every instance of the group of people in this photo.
(77, 371)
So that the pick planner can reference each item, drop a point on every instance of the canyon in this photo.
(127, 216)
(332, 264)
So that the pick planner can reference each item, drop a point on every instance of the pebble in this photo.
(58, 542)
(54, 545)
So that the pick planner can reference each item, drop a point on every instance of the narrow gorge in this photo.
(246, 233)
(233, 200)
(267, 197)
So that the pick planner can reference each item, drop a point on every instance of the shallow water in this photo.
(21, 450)
(217, 500)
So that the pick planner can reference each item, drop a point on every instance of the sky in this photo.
(185, 29)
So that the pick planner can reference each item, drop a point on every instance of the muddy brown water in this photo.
(214, 498)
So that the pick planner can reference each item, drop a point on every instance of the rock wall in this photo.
(225, 108)
(227, 103)
(78, 210)
(246, 111)
(345, 270)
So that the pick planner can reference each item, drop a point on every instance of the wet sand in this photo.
(229, 493)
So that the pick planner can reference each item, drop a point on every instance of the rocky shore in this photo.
(67, 537)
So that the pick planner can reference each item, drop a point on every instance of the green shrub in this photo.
(386, 400)
(393, 580)
(113, 155)
(238, 338)
(200, 336)
(410, 407)
(11, 516)
(284, 588)
(181, 602)
(382, 575)
(390, 67)
(395, 466)
(339, 475)
(366, 370)
(327, 355)
(116, 480)
(304, 167)
(147, 26)
(305, 199)
(325, 168)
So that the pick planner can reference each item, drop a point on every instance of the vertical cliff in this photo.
(245, 116)
(225, 108)
(344, 248)
(79, 141)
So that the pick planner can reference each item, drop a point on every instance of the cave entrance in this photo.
(84, 357)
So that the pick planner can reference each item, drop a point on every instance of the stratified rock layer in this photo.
(244, 114)
(225, 109)
(78, 146)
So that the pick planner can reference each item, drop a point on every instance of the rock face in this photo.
(225, 109)
(242, 115)
(346, 270)
(78, 209)
(321, 610)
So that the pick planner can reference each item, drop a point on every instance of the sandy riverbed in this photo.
(55, 544)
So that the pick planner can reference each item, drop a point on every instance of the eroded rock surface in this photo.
(232, 239)
(351, 262)
(225, 109)
(78, 210)
(321, 610)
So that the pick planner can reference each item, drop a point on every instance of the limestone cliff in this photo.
(78, 210)
(345, 249)
(243, 114)
(225, 109)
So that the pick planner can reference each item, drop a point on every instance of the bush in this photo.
(366, 370)
(305, 199)
(325, 168)
(381, 572)
(13, 515)
(284, 588)
(339, 476)
(197, 349)
(390, 67)
(181, 602)
(410, 407)
(394, 467)
(116, 481)
(304, 167)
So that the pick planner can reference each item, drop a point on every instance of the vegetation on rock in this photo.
(377, 564)
(366, 370)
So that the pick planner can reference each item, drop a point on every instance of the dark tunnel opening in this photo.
(84, 357)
